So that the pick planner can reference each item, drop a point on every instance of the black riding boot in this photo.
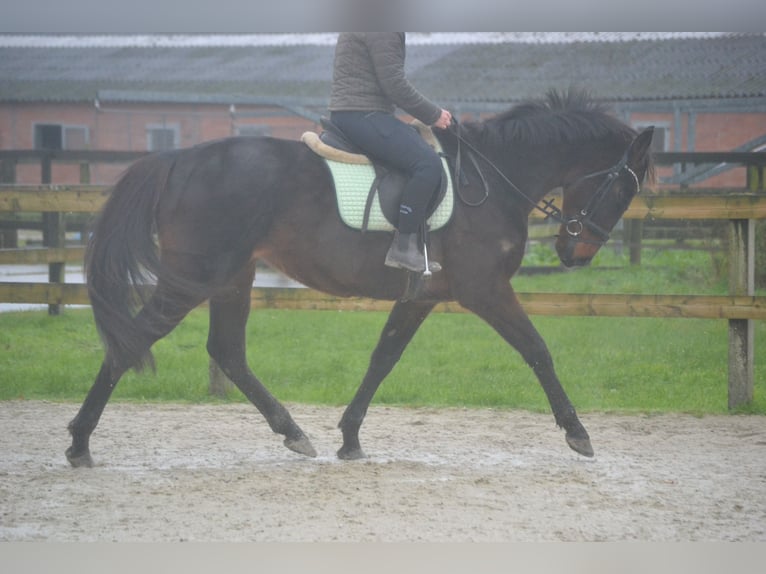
(404, 254)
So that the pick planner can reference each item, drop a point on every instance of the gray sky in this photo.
(327, 38)
(256, 16)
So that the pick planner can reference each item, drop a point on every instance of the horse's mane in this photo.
(560, 117)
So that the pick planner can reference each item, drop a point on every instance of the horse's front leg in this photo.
(403, 322)
(504, 313)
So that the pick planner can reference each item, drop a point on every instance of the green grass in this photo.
(662, 271)
(319, 357)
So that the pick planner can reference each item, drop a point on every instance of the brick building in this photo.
(704, 92)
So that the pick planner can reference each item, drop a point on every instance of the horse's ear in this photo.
(640, 146)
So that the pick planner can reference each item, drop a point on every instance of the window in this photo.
(57, 136)
(75, 137)
(161, 137)
(49, 137)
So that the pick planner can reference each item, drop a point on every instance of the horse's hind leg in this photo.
(403, 322)
(81, 427)
(160, 315)
(229, 311)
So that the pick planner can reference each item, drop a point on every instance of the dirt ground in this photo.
(189, 472)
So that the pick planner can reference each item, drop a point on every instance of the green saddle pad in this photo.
(352, 186)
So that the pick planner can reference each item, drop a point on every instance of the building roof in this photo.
(452, 69)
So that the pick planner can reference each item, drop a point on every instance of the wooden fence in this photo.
(740, 307)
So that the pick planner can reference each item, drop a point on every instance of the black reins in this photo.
(574, 226)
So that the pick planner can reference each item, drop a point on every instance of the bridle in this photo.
(574, 226)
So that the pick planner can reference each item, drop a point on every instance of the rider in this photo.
(369, 83)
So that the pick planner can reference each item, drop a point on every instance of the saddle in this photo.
(360, 180)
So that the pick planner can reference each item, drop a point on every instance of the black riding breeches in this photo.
(395, 144)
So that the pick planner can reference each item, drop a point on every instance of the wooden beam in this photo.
(80, 198)
(44, 293)
(291, 298)
(735, 205)
(37, 255)
(702, 157)
(558, 304)
(71, 156)
(692, 206)
(667, 306)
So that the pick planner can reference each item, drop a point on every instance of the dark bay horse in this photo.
(195, 220)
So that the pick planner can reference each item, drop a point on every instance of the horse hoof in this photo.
(80, 460)
(301, 445)
(351, 453)
(580, 445)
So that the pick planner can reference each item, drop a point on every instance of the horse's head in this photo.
(595, 202)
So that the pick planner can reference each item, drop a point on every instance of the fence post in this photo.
(85, 180)
(635, 235)
(741, 331)
(9, 238)
(219, 384)
(54, 231)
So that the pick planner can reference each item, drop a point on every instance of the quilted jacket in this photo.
(369, 75)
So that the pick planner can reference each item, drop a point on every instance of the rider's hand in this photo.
(444, 121)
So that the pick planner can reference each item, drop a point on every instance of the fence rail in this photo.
(552, 304)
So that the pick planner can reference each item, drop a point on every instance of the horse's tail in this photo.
(122, 257)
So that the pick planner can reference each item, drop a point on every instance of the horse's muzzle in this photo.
(576, 251)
